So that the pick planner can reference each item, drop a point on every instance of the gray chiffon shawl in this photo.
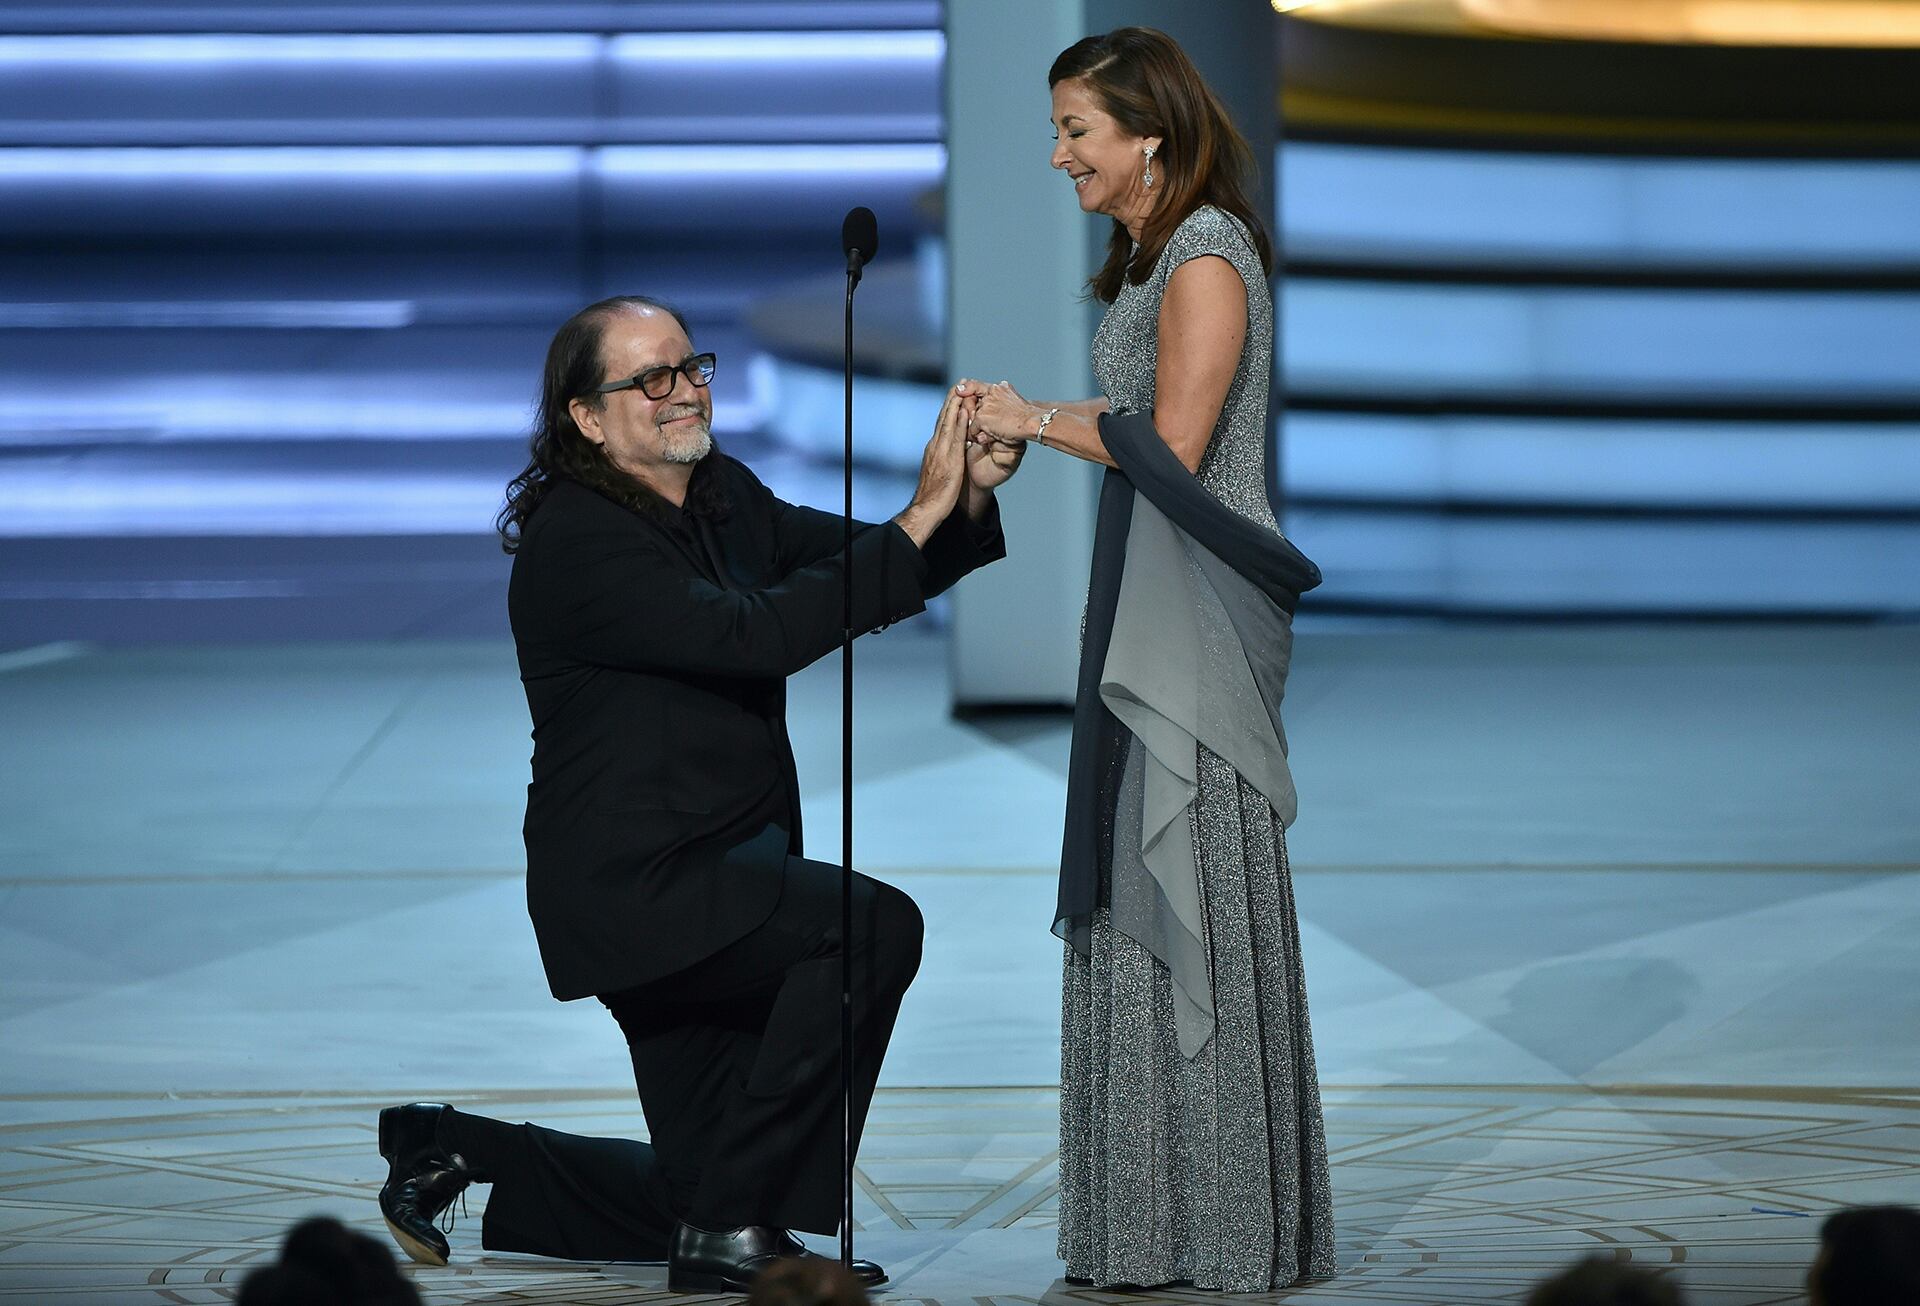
(1189, 636)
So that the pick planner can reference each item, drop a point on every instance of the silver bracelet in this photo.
(1041, 433)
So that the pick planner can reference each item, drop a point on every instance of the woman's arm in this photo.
(1203, 328)
(1005, 416)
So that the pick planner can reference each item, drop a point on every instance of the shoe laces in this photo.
(444, 1221)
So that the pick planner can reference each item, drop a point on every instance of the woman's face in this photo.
(1104, 163)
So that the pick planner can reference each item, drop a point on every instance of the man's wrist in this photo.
(918, 522)
(979, 501)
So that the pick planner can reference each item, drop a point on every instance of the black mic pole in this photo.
(859, 238)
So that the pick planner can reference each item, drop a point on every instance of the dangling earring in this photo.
(1146, 182)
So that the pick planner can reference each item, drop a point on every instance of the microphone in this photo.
(859, 238)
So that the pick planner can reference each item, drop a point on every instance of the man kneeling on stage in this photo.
(660, 597)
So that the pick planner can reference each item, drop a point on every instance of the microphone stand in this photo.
(846, 806)
(859, 239)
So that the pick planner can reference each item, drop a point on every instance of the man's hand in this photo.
(943, 473)
(990, 463)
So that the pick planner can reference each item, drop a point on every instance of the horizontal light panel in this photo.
(34, 55)
(195, 501)
(1424, 205)
(470, 88)
(199, 314)
(461, 16)
(454, 191)
(923, 164)
(921, 51)
(1571, 462)
(272, 389)
(1403, 561)
(196, 51)
(23, 168)
(297, 408)
(1387, 338)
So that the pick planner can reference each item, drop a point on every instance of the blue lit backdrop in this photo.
(296, 284)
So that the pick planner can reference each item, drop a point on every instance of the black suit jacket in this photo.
(654, 653)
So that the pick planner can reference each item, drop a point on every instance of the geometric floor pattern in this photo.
(1556, 884)
(1444, 1193)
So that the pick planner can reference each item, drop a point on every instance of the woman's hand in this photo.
(999, 410)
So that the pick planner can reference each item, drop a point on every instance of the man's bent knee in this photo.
(899, 930)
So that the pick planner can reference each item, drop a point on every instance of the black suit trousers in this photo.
(737, 1061)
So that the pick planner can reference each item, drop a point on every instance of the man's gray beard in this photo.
(690, 448)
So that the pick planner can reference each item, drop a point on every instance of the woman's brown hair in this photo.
(1145, 82)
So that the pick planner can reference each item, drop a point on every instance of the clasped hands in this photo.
(999, 416)
(978, 442)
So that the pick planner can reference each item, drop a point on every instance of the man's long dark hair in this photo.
(1146, 82)
(558, 449)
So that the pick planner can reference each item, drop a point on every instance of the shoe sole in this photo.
(686, 1281)
(413, 1247)
(683, 1282)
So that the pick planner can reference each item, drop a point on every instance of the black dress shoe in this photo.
(423, 1178)
(869, 1274)
(729, 1261)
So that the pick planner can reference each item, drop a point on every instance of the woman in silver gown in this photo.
(1191, 1142)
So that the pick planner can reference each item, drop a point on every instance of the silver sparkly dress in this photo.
(1210, 1169)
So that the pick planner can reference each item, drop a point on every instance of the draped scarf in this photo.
(1188, 638)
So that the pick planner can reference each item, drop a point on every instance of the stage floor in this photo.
(1612, 940)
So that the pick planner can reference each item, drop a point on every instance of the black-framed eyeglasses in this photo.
(658, 382)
